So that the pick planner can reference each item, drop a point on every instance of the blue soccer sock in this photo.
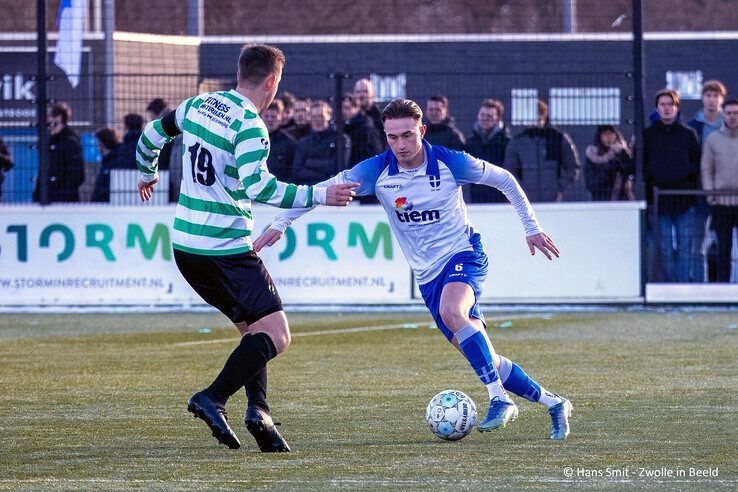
(517, 382)
(479, 352)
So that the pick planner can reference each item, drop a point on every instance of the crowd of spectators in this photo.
(690, 173)
(689, 233)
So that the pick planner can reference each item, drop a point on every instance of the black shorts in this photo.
(239, 286)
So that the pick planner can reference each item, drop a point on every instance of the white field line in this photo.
(305, 334)
(359, 329)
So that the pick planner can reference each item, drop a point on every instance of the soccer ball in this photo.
(451, 415)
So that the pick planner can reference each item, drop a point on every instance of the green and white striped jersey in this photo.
(225, 149)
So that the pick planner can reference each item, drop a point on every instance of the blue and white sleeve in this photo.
(468, 169)
(465, 168)
(503, 180)
(365, 173)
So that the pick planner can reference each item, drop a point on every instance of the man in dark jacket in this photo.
(441, 128)
(301, 117)
(282, 146)
(127, 152)
(672, 161)
(365, 138)
(364, 94)
(6, 164)
(108, 143)
(66, 169)
(287, 121)
(543, 159)
(315, 156)
(488, 142)
(170, 157)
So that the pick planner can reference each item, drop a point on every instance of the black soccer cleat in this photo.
(264, 430)
(213, 414)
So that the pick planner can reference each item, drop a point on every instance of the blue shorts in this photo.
(469, 267)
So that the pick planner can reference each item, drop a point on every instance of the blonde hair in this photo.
(714, 86)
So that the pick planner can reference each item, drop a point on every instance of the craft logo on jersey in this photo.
(405, 213)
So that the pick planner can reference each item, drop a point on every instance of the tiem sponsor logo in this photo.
(405, 213)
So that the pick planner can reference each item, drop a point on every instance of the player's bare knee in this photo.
(276, 328)
(287, 340)
(280, 338)
(453, 317)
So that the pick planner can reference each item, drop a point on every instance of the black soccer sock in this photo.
(256, 391)
(246, 361)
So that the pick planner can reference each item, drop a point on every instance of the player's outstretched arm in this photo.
(358, 180)
(251, 150)
(542, 242)
(333, 186)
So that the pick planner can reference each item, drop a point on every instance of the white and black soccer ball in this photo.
(451, 415)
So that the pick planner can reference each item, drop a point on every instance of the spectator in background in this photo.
(364, 94)
(488, 141)
(6, 164)
(170, 157)
(705, 122)
(608, 168)
(282, 146)
(112, 152)
(288, 104)
(543, 159)
(365, 138)
(315, 156)
(127, 153)
(66, 169)
(672, 161)
(720, 172)
(441, 128)
(709, 119)
(301, 116)
(156, 109)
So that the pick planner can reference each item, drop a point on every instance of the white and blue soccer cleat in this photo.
(500, 413)
(560, 414)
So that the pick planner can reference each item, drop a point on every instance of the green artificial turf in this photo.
(98, 402)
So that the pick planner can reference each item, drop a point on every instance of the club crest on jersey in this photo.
(435, 182)
(405, 213)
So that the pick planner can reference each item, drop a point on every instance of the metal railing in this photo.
(690, 236)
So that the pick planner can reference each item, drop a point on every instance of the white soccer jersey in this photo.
(225, 146)
(425, 207)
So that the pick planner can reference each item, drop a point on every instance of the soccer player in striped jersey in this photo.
(226, 146)
(419, 186)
